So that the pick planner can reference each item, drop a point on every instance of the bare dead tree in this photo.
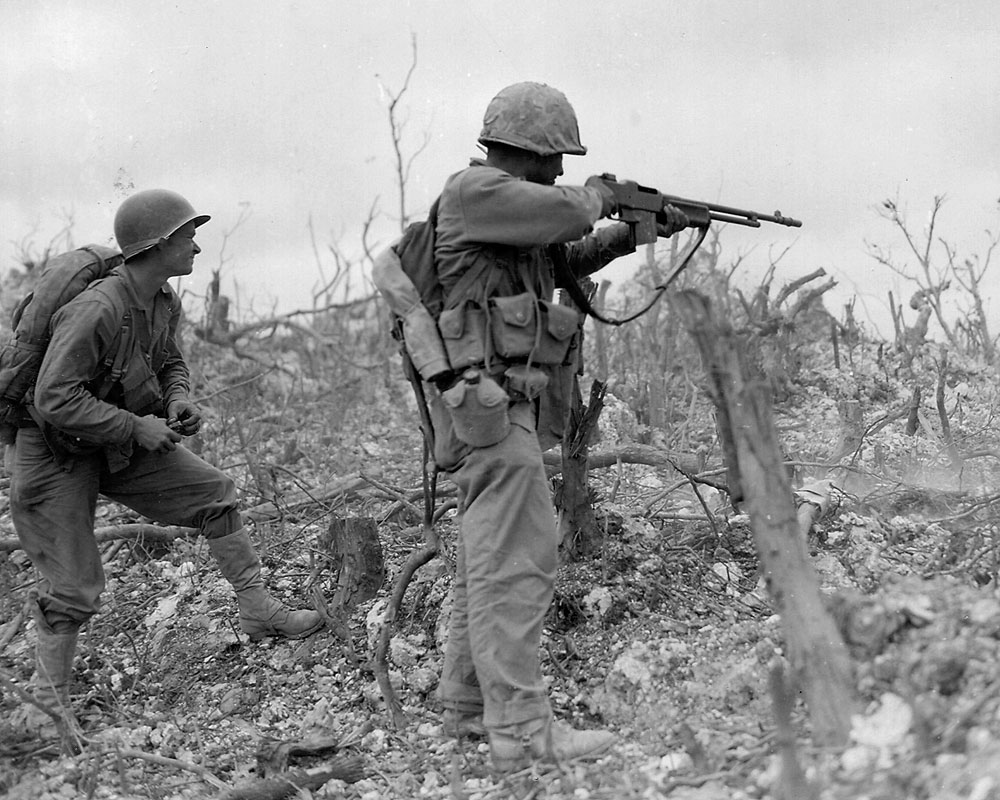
(969, 275)
(397, 125)
(34, 261)
(932, 279)
(419, 557)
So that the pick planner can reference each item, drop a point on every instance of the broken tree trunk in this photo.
(579, 533)
(818, 657)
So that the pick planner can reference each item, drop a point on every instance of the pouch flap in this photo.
(562, 321)
(517, 311)
(451, 323)
(490, 394)
(455, 396)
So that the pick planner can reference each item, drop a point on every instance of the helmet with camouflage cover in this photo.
(534, 117)
(147, 218)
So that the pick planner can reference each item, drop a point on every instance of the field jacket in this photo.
(111, 358)
(488, 214)
(498, 229)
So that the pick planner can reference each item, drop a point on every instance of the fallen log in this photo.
(146, 531)
(297, 782)
(339, 491)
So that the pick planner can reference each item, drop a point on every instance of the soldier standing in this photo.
(503, 228)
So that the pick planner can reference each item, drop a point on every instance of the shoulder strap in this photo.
(100, 259)
(468, 278)
(118, 355)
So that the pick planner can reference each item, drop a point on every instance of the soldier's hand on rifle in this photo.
(153, 433)
(609, 203)
(184, 417)
(670, 220)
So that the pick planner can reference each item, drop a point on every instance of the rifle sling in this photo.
(568, 281)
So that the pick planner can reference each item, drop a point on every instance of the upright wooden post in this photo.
(820, 664)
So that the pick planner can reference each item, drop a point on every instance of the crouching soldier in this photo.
(110, 407)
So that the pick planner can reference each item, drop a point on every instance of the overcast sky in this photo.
(279, 109)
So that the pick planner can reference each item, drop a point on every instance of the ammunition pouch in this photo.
(517, 328)
(463, 330)
(526, 327)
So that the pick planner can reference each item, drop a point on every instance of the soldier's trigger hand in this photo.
(609, 203)
(153, 434)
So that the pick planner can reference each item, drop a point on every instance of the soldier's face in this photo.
(179, 250)
(545, 169)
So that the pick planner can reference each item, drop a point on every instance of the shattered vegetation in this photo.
(664, 635)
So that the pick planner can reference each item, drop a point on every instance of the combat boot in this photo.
(514, 748)
(463, 724)
(260, 614)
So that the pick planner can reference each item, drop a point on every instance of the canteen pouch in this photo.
(559, 323)
(478, 408)
(463, 331)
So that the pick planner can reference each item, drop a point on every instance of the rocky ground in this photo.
(665, 636)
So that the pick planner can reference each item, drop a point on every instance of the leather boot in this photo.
(463, 724)
(513, 749)
(260, 614)
(54, 652)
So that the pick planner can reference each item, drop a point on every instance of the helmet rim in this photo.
(535, 117)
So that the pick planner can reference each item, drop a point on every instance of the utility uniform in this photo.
(496, 227)
(77, 446)
(113, 363)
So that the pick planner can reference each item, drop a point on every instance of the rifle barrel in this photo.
(736, 216)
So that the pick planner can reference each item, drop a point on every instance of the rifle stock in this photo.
(642, 206)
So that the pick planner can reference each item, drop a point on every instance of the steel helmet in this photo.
(147, 218)
(535, 117)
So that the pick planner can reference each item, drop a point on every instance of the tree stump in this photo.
(354, 548)
(817, 655)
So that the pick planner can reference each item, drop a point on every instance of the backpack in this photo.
(405, 275)
(416, 257)
(62, 279)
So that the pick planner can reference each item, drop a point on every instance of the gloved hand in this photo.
(671, 220)
(609, 205)
(184, 417)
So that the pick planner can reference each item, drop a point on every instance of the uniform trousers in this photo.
(53, 509)
(506, 567)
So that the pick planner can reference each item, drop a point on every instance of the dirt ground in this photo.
(664, 636)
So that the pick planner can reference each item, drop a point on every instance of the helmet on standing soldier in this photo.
(147, 218)
(534, 117)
